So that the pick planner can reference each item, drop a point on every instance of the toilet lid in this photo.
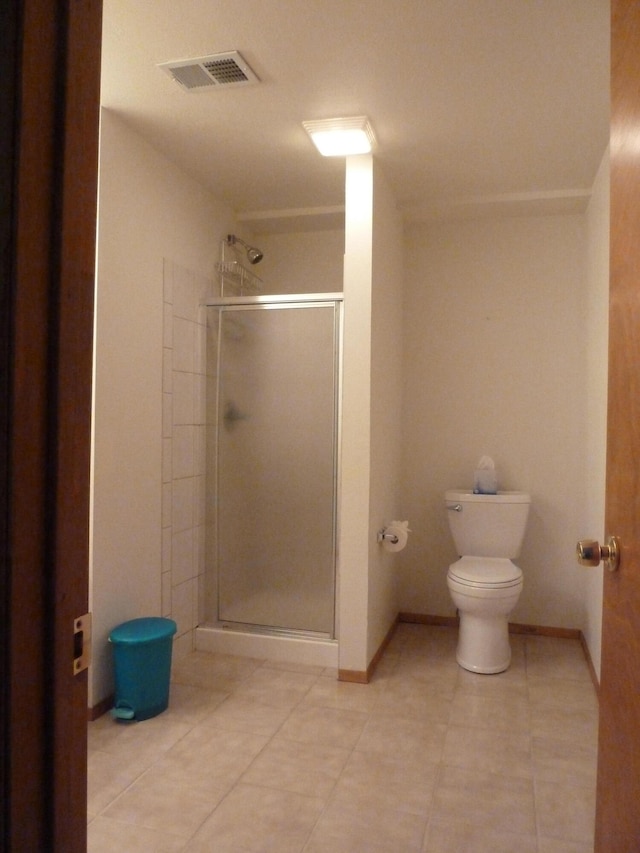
(485, 572)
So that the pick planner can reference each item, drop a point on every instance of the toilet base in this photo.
(483, 644)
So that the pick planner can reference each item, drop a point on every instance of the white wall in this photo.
(301, 261)
(353, 545)
(494, 364)
(596, 356)
(148, 210)
(371, 427)
(386, 407)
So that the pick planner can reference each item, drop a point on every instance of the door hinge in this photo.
(81, 643)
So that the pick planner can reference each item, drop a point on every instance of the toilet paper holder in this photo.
(383, 536)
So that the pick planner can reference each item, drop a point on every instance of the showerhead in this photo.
(254, 256)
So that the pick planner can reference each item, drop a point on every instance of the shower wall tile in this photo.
(166, 594)
(182, 515)
(183, 398)
(182, 557)
(194, 602)
(167, 489)
(183, 451)
(167, 370)
(182, 645)
(167, 325)
(185, 295)
(199, 391)
(199, 490)
(184, 413)
(204, 288)
(183, 344)
(182, 606)
(167, 415)
(166, 460)
(201, 593)
(200, 448)
(200, 551)
(167, 280)
(166, 550)
(200, 350)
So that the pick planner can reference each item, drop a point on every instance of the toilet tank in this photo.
(487, 525)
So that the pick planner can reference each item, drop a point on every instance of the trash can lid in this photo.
(143, 630)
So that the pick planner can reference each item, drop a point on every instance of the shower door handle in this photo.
(232, 414)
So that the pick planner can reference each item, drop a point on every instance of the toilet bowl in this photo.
(484, 583)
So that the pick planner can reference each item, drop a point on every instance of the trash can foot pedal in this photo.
(123, 712)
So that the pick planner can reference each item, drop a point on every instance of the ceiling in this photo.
(476, 104)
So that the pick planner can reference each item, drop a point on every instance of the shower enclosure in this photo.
(272, 438)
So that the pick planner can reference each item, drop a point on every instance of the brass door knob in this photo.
(589, 553)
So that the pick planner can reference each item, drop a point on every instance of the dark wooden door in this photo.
(618, 796)
(48, 228)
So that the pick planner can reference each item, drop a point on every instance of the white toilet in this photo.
(484, 584)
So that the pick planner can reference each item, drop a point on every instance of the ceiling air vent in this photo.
(221, 69)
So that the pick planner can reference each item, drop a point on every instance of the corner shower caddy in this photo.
(238, 280)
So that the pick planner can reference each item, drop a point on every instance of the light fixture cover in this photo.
(339, 137)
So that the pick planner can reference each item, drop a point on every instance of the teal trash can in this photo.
(142, 665)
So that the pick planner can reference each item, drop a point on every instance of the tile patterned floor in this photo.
(257, 756)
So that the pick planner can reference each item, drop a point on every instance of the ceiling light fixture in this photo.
(339, 137)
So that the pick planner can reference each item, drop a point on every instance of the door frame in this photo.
(48, 230)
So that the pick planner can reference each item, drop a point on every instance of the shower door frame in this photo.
(270, 302)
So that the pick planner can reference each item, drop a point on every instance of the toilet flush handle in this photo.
(455, 507)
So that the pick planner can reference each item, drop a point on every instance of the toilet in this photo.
(484, 584)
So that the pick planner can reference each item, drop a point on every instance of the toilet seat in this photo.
(485, 573)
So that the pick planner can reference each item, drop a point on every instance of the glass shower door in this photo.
(276, 483)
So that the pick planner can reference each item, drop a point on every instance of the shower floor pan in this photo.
(280, 647)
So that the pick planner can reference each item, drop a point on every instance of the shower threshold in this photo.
(299, 647)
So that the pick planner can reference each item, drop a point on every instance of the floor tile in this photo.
(353, 829)
(489, 801)
(253, 819)
(562, 694)
(458, 836)
(511, 683)
(402, 736)
(223, 755)
(329, 726)
(565, 812)
(441, 670)
(260, 756)
(188, 704)
(108, 776)
(554, 845)
(303, 768)
(330, 693)
(105, 835)
(565, 761)
(217, 672)
(414, 697)
(493, 713)
(378, 781)
(147, 739)
(276, 687)
(576, 724)
(243, 715)
(507, 753)
(167, 798)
